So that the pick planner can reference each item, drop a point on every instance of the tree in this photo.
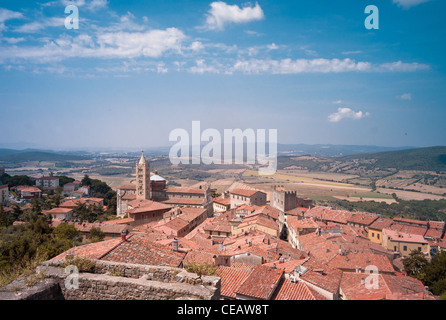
(435, 274)
(66, 231)
(96, 235)
(86, 181)
(3, 218)
(414, 263)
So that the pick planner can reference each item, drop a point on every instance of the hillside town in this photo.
(264, 245)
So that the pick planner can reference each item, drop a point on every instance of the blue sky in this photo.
(136, 70)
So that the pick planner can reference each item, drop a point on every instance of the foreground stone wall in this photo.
(115, 281)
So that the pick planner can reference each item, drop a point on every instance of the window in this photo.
(377, 235)
(405, 248)
(419, 248)
(373, 234)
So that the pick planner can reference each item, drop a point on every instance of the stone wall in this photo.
(120, 281)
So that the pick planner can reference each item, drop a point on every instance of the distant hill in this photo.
(37, 156)
(330, 150)
(424, 159)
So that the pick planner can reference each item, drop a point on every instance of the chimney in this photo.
(220, 246)
(362, 281)
(124, 235)
(274, 266)
(175, 245)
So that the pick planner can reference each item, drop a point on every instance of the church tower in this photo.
(143, 179)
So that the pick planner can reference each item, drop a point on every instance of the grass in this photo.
(371, 195)
(26, 269)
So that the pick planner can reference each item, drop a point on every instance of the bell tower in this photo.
(143, 179)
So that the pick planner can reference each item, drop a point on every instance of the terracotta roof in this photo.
(57, 211)
(434, 233)
(5, 186)
(295, 223)
(288, 265)
(140, 206)
(399, 236)
(421, 231)
(358, 286)
(127, 187)
(362, 218)
(411, 221)
(185, 201)
(232, 277)
(322, 275)
(223, 201)
(363, 260)
(86, 227)
(190, 213)
(176, 224)
(288, 290)
(185, 190)
(198, 257)
(381, 223)
(138, 249)
(119, 221)
(91, 251)
(129, 196)
(297, 211)
(245, 192)
(259, 220)
(261, 283)
(29, 189)
(436, 225)
(218, 227)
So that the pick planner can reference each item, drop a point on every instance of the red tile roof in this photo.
(185, 190)
(232, 277)
(365, 219)
(399, 236)
(140, 250)
(288, 290)
(261, 283)
(223, 201)
(245, 192)
(381, 223)
(127, 187)
(322, 275)
(91, 251)
(363, 260)
(410, 221)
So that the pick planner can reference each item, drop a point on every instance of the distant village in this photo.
(264, 245)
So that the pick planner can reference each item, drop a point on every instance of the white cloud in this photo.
(272, 46)
(6, 14)
(153, 44)
(402, 66)
(36, 26)
(196, 46)
(351, 52)
(13, 40)
(337, 102)
(405, 96)
(288, 66)
(201, 67)
(406, 4)
(347, 113)
(91, 5)
(221, 14)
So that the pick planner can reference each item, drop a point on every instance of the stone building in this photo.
(155, 188)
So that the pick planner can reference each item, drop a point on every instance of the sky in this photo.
(133, 71)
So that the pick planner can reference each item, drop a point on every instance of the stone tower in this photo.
(143, 179)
